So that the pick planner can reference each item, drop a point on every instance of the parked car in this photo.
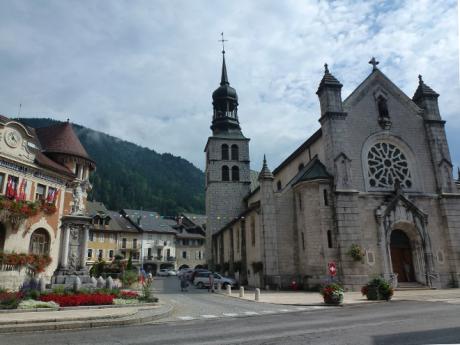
(202, 280)
(172, 272)
(165, 272)
(184, 272)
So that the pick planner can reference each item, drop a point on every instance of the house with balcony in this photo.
(190, 240)
(158, 239)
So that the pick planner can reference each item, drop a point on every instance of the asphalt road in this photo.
(392, 323)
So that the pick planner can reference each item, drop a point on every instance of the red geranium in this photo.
(78, 299)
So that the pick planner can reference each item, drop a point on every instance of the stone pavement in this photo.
(81, 317)
(302, 298)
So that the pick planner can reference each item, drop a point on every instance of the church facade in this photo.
(372, 190)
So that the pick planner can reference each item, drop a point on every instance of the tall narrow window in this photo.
(303, 241)
(12, 187)
(39, 242)
(326, 201)
(224, 152)
(2, 180)
(225, 173)
(278, 185)
(235, 152)
(90, 254)
(253, 232)
(235, 173)
(123, 243)
(329, 239)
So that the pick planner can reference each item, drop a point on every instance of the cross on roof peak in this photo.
(374, 63)
(222, 40)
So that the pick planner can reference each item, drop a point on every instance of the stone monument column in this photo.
(84, 247)
(65, 246)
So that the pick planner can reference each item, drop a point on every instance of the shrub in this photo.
(129, 277)
(10, 300)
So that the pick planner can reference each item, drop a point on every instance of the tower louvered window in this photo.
(225, 173)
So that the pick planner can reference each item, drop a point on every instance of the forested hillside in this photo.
(131, 176)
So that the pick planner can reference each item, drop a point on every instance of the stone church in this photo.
(371, 190)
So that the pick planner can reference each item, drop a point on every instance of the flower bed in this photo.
(10, 300)
(78, 299)
(129, 295)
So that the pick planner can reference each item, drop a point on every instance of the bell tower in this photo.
(227, 162)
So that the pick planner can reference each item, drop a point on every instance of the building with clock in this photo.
(44, 176)
(371, 190)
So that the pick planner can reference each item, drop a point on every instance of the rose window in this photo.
(387, 164)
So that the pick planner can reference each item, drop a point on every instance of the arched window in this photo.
(224, 152)
(235, 173)
(235, 152)
(225, 173)
(39, 242)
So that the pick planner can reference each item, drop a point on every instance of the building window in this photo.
(199, 255)
(91, 236)
(224, 152)
(111, 254)
(39, 242)
(100, 254)
(101, 237)
(303, 241)
(235, 152)
(326, 201)
(168, 253)
(253, 232)
(40, 192)
(123, 243)
(90, 254)
(386, 166)
(134, 243)
(52, 195)
(184, 255)
(12, 187)
(2, 180)
(329, 239)
(235, 173)
(159, 252)
(149, 253)
(225, 173)
(301, 166)
(278, 185)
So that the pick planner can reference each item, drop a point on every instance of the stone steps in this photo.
(412, 286)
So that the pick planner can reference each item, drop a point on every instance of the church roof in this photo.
(61, 138)
(314, 170)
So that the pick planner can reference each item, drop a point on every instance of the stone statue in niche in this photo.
(343, 172)
(73, 261)
(384, 115)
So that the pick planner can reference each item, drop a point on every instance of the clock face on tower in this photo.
(13, 138)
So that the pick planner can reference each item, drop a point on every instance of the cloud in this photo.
(144, 71)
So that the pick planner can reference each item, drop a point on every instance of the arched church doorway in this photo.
(401, 256)
(2, 237)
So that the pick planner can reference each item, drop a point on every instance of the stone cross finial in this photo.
(222, 40)
(374, 63)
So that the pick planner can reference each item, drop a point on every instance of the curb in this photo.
(87, 307)
(165, 310)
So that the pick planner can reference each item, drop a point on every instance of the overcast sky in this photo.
(144, 71)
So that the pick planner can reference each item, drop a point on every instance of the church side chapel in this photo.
(371, 190)
(44, 177)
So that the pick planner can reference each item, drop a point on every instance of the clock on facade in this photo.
(13, 138)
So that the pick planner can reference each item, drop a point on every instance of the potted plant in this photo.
(356, 253)
(377, 289)
(332, 293)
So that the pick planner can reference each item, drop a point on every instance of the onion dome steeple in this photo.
(225, 104)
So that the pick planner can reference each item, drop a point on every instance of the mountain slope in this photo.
(131, 176)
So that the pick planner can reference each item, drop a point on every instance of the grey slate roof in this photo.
(120, 224)
(312, 171)
(150, 221)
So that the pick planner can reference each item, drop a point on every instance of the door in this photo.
(401, 256)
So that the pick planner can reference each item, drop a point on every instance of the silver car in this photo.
(202, 280)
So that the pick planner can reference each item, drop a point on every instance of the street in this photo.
(203, 318)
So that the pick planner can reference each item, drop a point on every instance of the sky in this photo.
(144, 71)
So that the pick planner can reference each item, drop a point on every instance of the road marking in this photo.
(209, 316)
(301, 308)
(267, 311)
(284, 310)
(230, 314)
(250, 313)
(186, 318)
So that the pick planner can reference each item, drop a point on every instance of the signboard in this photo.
(332, 268)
